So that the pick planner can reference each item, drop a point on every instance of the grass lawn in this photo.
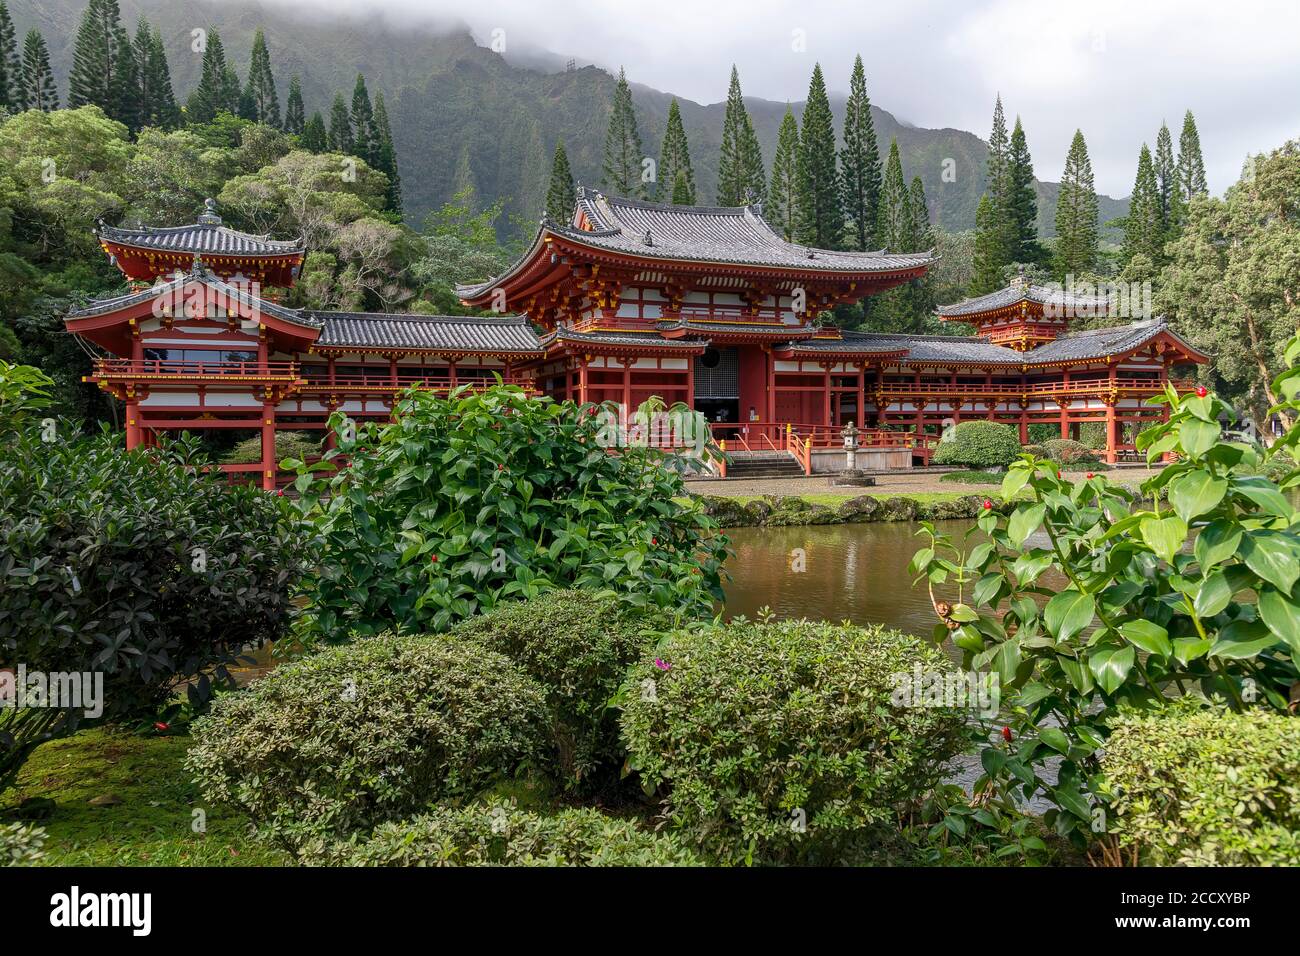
(152, 826)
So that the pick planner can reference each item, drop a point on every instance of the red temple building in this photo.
(627, 300)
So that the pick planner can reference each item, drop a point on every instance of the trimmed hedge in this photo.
(778, 743)
(1206, 787)
(1069, 452)
(577, 645)
(500, 835)
(979, 444)
(353, 736)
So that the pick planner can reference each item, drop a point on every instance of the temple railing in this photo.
(118, 369)
(899, 391)
(404, 380)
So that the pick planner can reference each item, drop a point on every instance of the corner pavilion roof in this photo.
(1060, 301)
(207, 235)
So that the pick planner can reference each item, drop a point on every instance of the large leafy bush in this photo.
(978, 444)
(577, 645)
(297, 445)
(501, 835)
(781, 742)
(1129, 600)
(1201, 787)
(1066, 451)
(352, 736)
(468, 500)
(134, 565)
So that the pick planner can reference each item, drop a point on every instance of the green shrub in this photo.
(972, 478)
(501, 835)
(577, 645)
(297, 445)
(1065, 451)
(352, 736)
(779, 742)
(978, 444)
(134, 565)
(1206, 788)
(1038, 451)
(21, 844)
(469, 500)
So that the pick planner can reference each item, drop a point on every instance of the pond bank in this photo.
(779, 511)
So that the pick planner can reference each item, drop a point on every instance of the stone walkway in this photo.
(897, 483)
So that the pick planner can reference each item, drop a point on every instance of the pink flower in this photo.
(662, 665)
(159, 725)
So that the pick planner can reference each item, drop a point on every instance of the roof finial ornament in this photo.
(648, 239)
(210, 217)
(1020, 278)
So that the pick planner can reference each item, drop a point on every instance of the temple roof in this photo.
(1100, 343)
(207, 235)
(634, 339)
(232, 291)
(1062, 302)
(365, 330)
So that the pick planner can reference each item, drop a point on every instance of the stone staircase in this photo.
(763, 464)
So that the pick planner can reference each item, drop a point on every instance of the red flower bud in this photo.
(654, 541)
(159, 725)
(1090, 475)
(1059, 475)
(280, 492)
(433, 558)
(1201, 392)
(988, 505)
(1006, 734)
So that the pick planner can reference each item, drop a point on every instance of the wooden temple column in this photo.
(862, 396)
(627, 386)
(690, 382)
(134, 433)
(582, 380)
(269, 463)
(1112, 439)
(1065, 406)
(826, 396)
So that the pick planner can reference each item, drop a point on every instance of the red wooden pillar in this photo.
(134, 433)
(330, 360)
(862, 396)
(269, 463)
(771, 384)
(582, 380)
(1065, 406)
(392, 369)
(627, 387)
(826, 396)
(690, 381)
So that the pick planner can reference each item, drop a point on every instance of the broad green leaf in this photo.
(1055, 738)
(1187, 649)
(1015, 480)
(1007, 661)
(1068, 613)
(1213, 595)
(1242, 640)
(1264, 495)
(1165, 536)
(1216, 543)
(1111, 666)
(1148, 636)
(1076, 673)
(1195, 493)
(964, 613)
(1282, 615)
(1023, 522)
(986, 589)
(1029, 566)
(1272, 558)
(1197, 437)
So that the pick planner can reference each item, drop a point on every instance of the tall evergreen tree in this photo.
(741, 178)
(895, 224)
(260, 90)
(559, 195)
(386, 155)
(295, 114)
(1143, 231)
(683, 190)
(995, 232)
(103, 65)
(363, 122)
(157, 101)
(340, 138)
(1076, 213)
(315, 138)
(819, 216)
(623, 152)
(674, 160)
(1191, 167)
(783, 196)
(920, 292)
(213, 93)
(10, 62)
(860, 164)
(1021, 212)
(36, 90)
(987, 253)
(1166, 170)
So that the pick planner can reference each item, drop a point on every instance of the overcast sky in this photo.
(1114, 68)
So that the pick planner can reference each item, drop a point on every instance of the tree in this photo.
(1166, 170)
(157, 101)
(315, 138)
(10, 64)
(1191, 167)
(260, 90)
(920, 291)
(860, 164)
(295, 115)
(1076, 213)
(364, 139)
(103, 65)
(559, 195)
(997, 234)
(819, 215)
(1143, 231)
(783, 196)
(1232, 285)
(36, 90)
(741, 179)
(986, 255)
(213, 95)
(623, 152)
(674, 161)
(895, 225)
(1021, 212)
(340, 137)
(386, 155)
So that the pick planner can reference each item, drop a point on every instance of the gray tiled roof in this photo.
(510, 334)
(222, 289)
(1063, 304)
(623, 338)
(199, 238)
(1099, 343)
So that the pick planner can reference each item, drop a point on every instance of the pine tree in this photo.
(860, 164)
(1076, 213)
(819, 215)
(675, 160)
(683, 190)
(741, 178)
(782, 197)
(340, 138)
(1021, 212)
(36, 80)
(261, 84)
(754, 175)
(895, 224)
(623, 152)
(987, 259)
(157, 102)
(1143, 231)
(10, 63)
(315, 139)
(213, 94)
(920, 292)
(1166, 169)
(363, 123)
(386, 155)
(559, 195)
(1191, 167)
(103, 66)
(295, 115)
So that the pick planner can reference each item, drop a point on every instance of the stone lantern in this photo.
(851, 475)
